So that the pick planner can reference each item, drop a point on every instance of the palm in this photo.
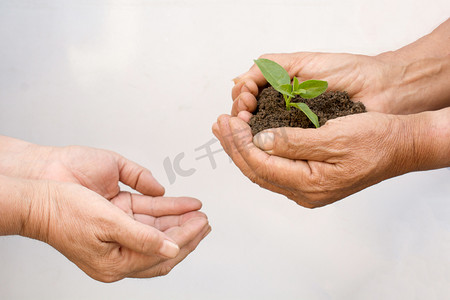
(95, 169)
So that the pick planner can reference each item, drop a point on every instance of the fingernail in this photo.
(264, 140)
(236, 79)
(169, 249)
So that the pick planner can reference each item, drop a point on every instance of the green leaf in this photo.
(308, 112)
(275, 74)
(296, 89)
(296, 85)
(313, 88)
(285, 89)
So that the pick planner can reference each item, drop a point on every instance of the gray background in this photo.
(148, 78)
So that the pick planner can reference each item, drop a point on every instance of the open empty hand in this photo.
(69, 197)
(139, 236)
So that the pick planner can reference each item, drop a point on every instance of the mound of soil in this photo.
(271, 110)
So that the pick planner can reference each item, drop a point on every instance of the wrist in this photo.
(24, 207)
(428, 137)
(419, 86)
(38, 195)
(432, 45)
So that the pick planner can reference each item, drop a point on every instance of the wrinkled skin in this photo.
(74, 203)
(316, 167)
(98, 170)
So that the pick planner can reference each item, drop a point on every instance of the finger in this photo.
(250, 87)
(142, 239)
(134, 204)
(236, 90)
(138, 178)
(166, 222)
(245, 116)
(276, 170)
(253, 77)
(215, 129)
(225, 137)
(234, 108)
(161, 206)
(299, 143)
(136, 262)
(245, 102)
(248, 84)
(185, 233)
(164, 267)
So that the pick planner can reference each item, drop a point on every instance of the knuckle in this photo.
(108, 276)
(253, 178)
(315, 179)
(310, 202)
(164, 269)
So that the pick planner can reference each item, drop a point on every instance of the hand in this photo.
(139, 236)
(315, 167)
(96, 169)
(383, 83)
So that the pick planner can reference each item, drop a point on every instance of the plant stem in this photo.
(287, 99)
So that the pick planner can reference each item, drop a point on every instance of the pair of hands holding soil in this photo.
(406, 128)
(70, 198)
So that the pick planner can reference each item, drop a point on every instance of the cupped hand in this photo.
(367, 79)
(139, 236)
(315, 167)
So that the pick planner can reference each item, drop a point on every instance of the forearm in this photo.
(428, 138)
(14, 205)
(434, 45)
(21, 159)
(419, 74)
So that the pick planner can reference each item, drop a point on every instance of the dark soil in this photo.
(271, 110)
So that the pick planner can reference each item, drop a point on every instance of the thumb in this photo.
(138, 177)
(144, 239)
(294, 143)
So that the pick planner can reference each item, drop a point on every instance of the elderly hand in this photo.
(315, 167)
(383, 83)
(98, 170)
(139, 236)
(69, 198)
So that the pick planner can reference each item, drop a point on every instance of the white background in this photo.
(148, 78)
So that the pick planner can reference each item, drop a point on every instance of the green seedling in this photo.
(280, 80)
